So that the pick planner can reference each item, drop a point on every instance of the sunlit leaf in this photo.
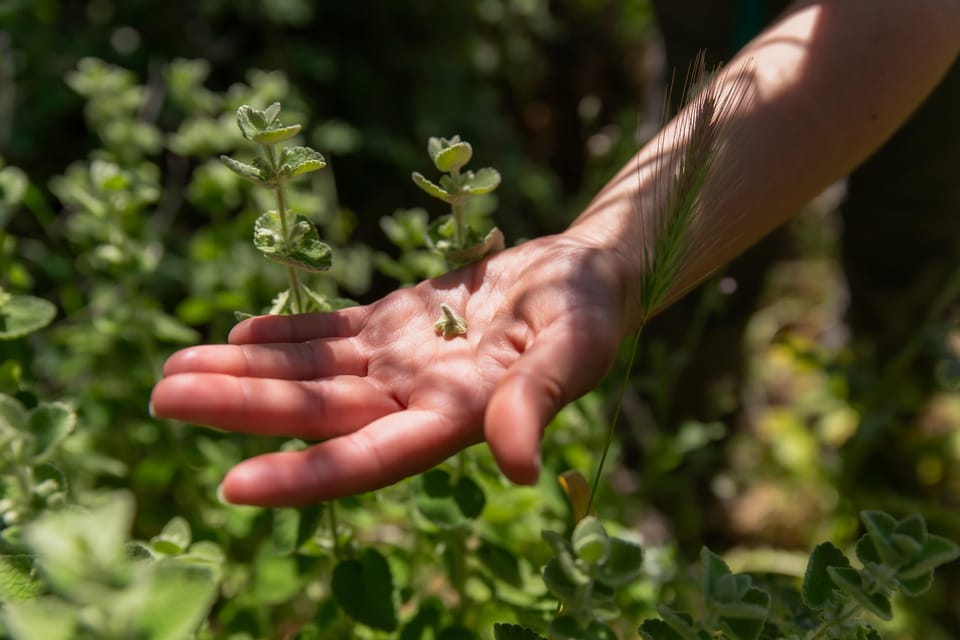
(279, 134)
(22, 314)
(484, 181)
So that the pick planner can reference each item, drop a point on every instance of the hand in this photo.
(390, 398)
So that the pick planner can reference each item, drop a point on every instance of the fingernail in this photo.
(150, 409)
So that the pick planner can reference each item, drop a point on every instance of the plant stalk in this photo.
(614, 420)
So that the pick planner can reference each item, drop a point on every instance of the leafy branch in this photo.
(281, 235)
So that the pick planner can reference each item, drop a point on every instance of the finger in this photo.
(288, 361)
(305, 409)
(561, 365)
(343, 323)
(384, 452)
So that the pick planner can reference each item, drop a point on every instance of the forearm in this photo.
(826, 86)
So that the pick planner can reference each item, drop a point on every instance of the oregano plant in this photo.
(450, 235)
(282, 235)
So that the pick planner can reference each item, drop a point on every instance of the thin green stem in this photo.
(295, 293)
(614, 420)
(332, 518)
(457, 207)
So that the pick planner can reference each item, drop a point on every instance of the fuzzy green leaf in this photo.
(12, 414)
(474, 251)
(178, 600)
(453, 157)
(680, 622)
(880, 526)
(174, 538)
(624, 563)
(49, 425)
(363, 587)
(484, 181)
(514, 632)
(271, 113)
(916, 586)
(275, 135)
(848, 580)
(296, 161)
(713, 569)
(429, 187)
(302, 250)
(936, 551)
(251, 121)
(469, 497)
(914, 527)
(47, 618)
(590, 541)
(818, 588)
(250, 172)
(20, 315)
(658, 630)
(18, 578)
(745, 620)
(558, 581)
(501, 562)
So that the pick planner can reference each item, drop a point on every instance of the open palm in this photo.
(390, 398)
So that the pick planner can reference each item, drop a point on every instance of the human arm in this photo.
(829, 82)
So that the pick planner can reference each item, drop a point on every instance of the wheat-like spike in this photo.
(683, 164)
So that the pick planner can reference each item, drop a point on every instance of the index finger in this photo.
(343, 323)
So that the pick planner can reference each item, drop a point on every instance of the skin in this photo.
(827, 84)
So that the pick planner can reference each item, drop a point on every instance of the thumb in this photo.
(559, 367)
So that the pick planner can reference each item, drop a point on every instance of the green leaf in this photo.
(303, 249)
(484, 181)
(916, 586)
(18, 578)
(21, 315)
(469, 497)
(745, 620)
(680, 622)
(501, 562)
(492, 243)
(849, 581)
(514, 632)
(658, 630)
(624, 563)
(252, 173)
(295, 161)
(292, 528)
(880, 526)
(271, 113)
(430, 187)
(363, 587)
(251, 121)
(559, 582)
(590, 541)
(818, 588)
(274, 135)
(713, 569)
(49, 424)
(178, 601)
(12, 414)
(45, 618)
(936, 551)
(914, 527)
(72, 544)
(453, 157)
(174, 538)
